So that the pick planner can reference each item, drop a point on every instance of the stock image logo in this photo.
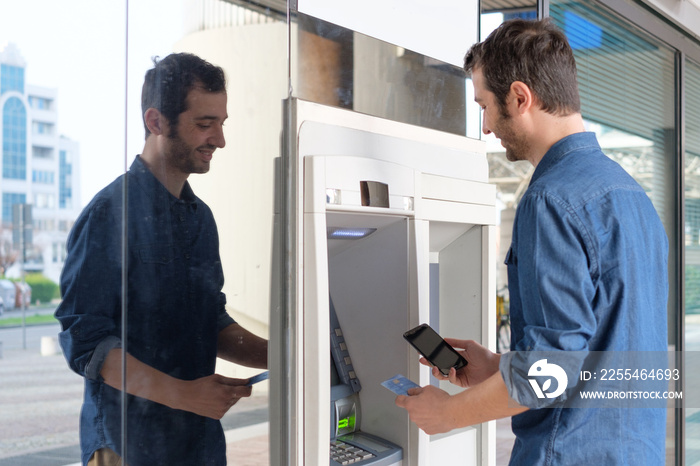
(542, 369)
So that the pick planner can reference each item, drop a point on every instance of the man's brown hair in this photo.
(536, 53)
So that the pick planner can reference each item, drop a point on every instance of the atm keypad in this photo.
(344, 453)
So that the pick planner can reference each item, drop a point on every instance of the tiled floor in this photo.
(253, 451)
(504, 441)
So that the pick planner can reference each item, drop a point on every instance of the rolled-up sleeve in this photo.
(97, 360)
(224, 319)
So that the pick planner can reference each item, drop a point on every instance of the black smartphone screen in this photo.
(434, 348)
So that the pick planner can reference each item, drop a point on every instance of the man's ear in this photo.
(155, 121)
(522, 96)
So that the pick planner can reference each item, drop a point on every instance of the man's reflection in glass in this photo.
(176, 319)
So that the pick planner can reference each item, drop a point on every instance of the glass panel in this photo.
(615, 63)
(622, 74)
(71, 153)
(692, 248)
(335, 66)
(511, 179)
(251, 47)
(62, 87)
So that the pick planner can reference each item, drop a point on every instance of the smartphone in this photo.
(436, 350)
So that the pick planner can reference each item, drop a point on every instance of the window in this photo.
(692, 249)
(11, 79)
(40, 103)
(42, 152)
(39, 127)
(44, 200)
(42, 176)
(65, 190)
(8, 200)
(14, 143)
(44, 224)
(627, 81)
(58, 252)
(627, 84)
(622, 74)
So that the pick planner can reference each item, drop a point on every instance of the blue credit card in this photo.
(399, 384)
(258, 378)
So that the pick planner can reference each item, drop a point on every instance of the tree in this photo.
(8, 255)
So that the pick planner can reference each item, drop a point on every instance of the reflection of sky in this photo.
(582, 34)
(489, 22)
(79, 48)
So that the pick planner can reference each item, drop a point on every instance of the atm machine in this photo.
(388, 226)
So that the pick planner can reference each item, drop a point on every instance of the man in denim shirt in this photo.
(164, 271)
(587, 267)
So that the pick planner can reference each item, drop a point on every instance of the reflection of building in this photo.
(37, 167)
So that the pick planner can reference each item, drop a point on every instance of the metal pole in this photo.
(21, 272)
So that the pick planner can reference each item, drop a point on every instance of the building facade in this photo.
(38, 167)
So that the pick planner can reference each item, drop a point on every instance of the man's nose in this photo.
(484, 126)
(218, 138)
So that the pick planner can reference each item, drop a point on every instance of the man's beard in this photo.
(183, 157)
(517, 148)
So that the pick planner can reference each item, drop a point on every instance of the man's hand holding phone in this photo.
(433, 409)
(482, 363)
(434, 349)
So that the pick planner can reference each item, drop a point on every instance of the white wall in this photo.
(239, 187)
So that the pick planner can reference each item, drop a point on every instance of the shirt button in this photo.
(182, 218)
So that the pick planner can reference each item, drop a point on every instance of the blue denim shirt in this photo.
(587, 271)
(175, 310)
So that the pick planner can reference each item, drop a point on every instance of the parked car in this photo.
(2, 308)
(22, 290)
(7, 293)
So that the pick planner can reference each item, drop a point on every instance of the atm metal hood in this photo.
(279, 7)
(273, 8)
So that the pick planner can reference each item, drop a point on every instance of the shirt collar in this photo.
(148, 182)
(561, 149)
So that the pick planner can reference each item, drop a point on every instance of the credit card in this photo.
(399, 384)
(258, 378)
